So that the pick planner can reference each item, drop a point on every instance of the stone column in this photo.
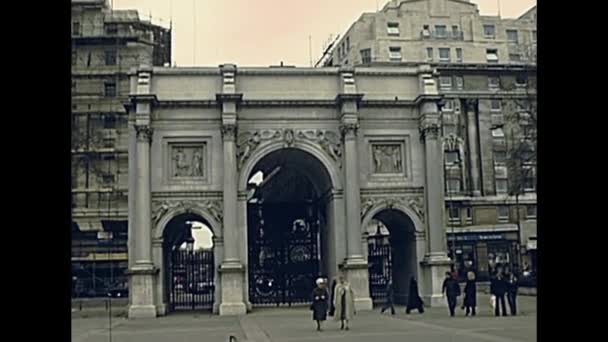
(142, 271)
(435, 261)
(355, 265)
(231, 270)
(470, 105)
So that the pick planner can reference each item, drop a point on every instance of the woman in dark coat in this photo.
(332, 307)
(470, 294)
(320, 303)
(413, 300)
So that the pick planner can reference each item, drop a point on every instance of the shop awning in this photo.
(490, 228)
(88, 224)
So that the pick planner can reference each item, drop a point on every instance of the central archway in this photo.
(289, 224)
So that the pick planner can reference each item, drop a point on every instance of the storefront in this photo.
(483, 252)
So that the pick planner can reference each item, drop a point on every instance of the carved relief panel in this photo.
(387, 158)
(186, 161)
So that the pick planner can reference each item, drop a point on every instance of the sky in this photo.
(266, 32)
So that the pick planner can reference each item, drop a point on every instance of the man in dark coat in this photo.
(511, 281)
(320, 303)
(413, 300)
(498, 287)
(470, 294)
(332, 307)
(451, 289)
(390, 296)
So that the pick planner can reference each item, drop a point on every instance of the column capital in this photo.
(349, 129)
(429, 126)
(144, 133)
(229, 132)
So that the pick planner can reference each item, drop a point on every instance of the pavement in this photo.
(295, 324)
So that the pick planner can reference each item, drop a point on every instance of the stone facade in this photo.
(378, 152)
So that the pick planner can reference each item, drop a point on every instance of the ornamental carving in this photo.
(187, 161)
(212, 207)
(452, 142)
(248, 142)
(229, 131)
(144, 133)
(414, 203)
(349, 129)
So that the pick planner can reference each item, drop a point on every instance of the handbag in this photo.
(493, 301)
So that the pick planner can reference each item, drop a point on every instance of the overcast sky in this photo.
(265, 32)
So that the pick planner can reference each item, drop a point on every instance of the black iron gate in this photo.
(379, 260)
(191, 280)
(283, 252)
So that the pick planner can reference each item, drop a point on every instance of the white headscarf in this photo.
(320, 281)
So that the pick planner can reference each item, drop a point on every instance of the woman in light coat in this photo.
(344, 302)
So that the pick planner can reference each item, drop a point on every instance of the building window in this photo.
(347, 44)
(76, 28)
(529, 178)
(454, 214)
(531, 211)
(459, 82)
(445, 82)
(339, 51)
(515, 57)
(492, 55)
(110, 89)
(444, 54)
(366, 56)
(459, 55)
(395, 54)
(512, 36)
(108, 179)
(455, 32)
(493, 82)
(110, 57)
(111, 29)
(503, 213)
(489, 31)
(453, 185)
(74, 57)
(392, 29)
(495, 105)
(429, 54)
(425, 31)
(534, 36)
(501, 186)
(452, 157)
(500, 157)
(469, 214)
(441, 31)
(109, 121)
(521, 80)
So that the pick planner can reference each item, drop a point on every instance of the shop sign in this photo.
(479, 237)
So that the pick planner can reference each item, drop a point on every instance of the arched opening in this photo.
(287, 218)
(189, 263)
(391, 254)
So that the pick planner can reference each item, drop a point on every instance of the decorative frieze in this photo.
(414, 203)
(213, 207)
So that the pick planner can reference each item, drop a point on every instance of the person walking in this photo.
(344, 302)
(390, 297)
(470, 294)
(451, 289)
(512, 286)
(332, 306)
(413, 300)
(320, 303)
(498, 288)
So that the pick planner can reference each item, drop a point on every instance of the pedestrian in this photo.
(512, 286)
(451, 289)
(390, 297)
(320, 302)
(344, 302)
(413, 300)
(470, 294)
(498, 288)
